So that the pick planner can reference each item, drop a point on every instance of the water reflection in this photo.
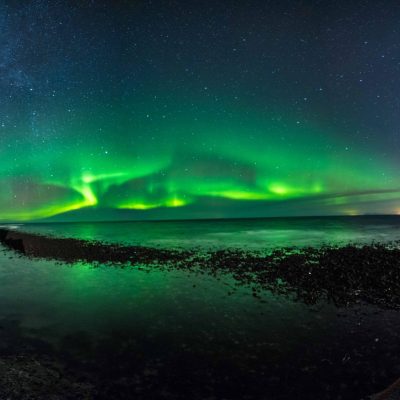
(173, 334)
(249, 234)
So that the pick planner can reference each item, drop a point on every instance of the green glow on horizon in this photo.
(241, 195)
(172, 202)
(215, 164)
(44, 212)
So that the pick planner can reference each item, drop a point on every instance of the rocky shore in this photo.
(345, 275)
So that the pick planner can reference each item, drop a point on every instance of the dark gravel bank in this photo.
(342, 275)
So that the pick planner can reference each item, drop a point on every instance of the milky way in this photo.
(198, 109)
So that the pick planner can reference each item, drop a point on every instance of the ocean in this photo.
(252, 234)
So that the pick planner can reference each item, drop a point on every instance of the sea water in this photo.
(239, 233)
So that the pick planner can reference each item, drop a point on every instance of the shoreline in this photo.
(344, 276)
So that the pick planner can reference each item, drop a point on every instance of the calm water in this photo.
(181, 333)
(242, 233)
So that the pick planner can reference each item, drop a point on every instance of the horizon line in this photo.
(40, 222)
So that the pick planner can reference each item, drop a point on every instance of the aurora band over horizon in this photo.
(218, 164)
(143, 131)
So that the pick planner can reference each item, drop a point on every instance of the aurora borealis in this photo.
(155, 109)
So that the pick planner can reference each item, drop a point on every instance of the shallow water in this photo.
(239, 233)
(180, 328)
(98, 300)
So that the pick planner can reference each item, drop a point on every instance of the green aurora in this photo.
(122, 171)
(154, 120)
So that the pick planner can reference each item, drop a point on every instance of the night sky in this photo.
(196, 109)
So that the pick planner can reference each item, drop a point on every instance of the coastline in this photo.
(342, 275)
